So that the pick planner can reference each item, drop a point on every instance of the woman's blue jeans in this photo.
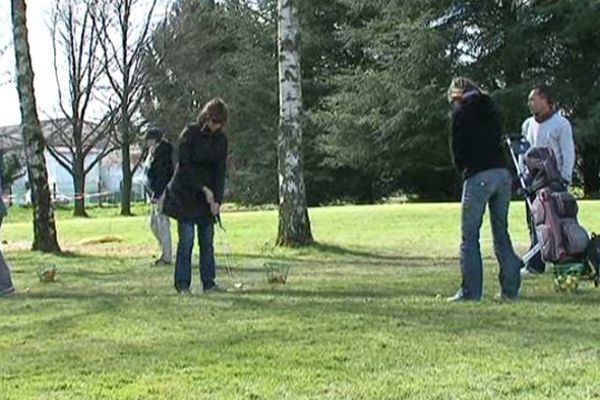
(491, 187)
(183, 263)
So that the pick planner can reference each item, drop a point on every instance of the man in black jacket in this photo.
(158, 167)
(478, 156)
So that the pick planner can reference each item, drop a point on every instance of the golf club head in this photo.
(518, 144)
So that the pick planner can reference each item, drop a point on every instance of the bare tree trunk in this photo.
(44, 226)
(125, 129)
(126, 188)
(294, 224)
(79, 187)
(76, 44)
(123, 42)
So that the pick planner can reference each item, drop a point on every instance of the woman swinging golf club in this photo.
(195, 193)
(478, 156)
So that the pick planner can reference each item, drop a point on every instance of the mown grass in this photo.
(360, 317)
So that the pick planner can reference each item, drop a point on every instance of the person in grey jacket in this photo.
(158, 168)
(6, 284)
(547, 128)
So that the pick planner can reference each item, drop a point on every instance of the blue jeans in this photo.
(183, 263)
(491, 187)
(6, 284)
(535, 264)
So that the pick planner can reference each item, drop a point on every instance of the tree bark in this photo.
(76, 44)
(79, 187)
(126, 185)
(294, 224)
(44, 226)
(123, 50)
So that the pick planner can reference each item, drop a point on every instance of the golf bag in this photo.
(561, 237)
(554, 209)
(561, 240)
(543, 170)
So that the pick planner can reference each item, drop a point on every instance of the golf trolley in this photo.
(567, 270)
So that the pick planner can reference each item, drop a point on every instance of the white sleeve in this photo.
(524, 132)
(567, 149)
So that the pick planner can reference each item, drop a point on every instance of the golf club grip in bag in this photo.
(543, 170)
(556, 226)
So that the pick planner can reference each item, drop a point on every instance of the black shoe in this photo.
(8, 291)
(502, 298)
(215, 289)
(161, 263)
(182, 290)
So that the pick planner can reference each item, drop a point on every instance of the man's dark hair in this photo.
(545, 92)
(154, 133)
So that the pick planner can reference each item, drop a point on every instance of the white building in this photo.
(104, 179)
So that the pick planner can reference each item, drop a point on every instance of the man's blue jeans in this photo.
(491, 187)
(535, 264)
(183, 264)
(6, 284)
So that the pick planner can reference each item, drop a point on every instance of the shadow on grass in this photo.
(29, 256)
(411, 307)
(392, 261)
(326, 253)
(472, 318)
(333, 249)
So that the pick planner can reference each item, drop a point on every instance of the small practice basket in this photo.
(277, 272)
(47, 274)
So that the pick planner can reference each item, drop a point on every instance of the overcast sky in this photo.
(38, 15)
(41, 55)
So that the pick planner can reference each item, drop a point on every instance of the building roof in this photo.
(11, 139)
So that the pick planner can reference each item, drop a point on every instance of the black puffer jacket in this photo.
(476, 136)
(201, 161)
(160, 170)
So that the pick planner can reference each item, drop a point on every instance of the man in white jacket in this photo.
(547, 128)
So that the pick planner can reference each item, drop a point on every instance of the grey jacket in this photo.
(557, 134)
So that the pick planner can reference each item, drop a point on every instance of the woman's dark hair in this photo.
(215, 110)
(461, 85)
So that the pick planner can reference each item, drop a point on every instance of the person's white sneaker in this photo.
(455, 298)
(528, 273)
(458, 297)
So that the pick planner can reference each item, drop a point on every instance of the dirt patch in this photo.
(100, 240)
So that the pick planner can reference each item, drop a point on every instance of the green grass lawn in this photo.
(360, 318)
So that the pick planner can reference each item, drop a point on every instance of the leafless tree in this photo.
(124, 30)
(76, 45)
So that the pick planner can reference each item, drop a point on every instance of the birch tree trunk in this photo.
(294, 224)
(44, 227)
